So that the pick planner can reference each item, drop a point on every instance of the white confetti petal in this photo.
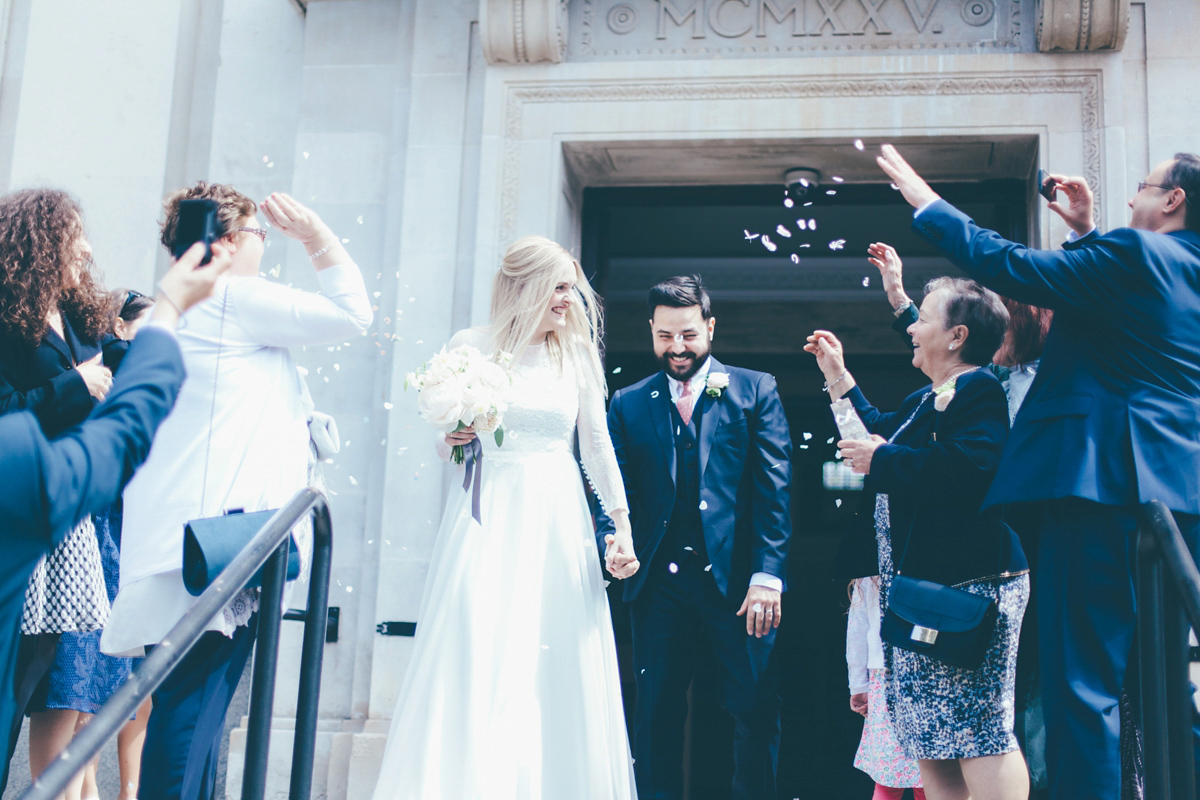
(803, 447)
(829, 440)
(306, 154)
(795, 258)
(672, 568)
(388, 406)
(809, 203)
(360, 219)
(616, 370)
(782, 231)
(837, 244)
(831, 191)
(807, 436)
(788, 202)
(708, 568)
(802, 224)
(749, 236)
(894, 186)
(767, 243)
(812, 224)
(836, 179)
(353, 480)
(838, 502)
(858, 144)
(866, 281)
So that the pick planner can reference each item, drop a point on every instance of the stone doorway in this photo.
(765, 304)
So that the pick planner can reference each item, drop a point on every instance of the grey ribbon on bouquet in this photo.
(473, 459)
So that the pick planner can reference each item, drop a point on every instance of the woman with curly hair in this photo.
(54, 318)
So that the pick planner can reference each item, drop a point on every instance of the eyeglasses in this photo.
(1142, 185)
(261, 233)
(129, 298)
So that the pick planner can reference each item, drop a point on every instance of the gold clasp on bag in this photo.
(923, 635)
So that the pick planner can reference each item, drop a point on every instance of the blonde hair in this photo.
(523, 288)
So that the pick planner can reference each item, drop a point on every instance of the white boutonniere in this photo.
(716, 383)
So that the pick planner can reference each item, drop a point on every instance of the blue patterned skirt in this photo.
(82, 678)
(942, 712)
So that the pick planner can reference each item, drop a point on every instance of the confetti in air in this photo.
(809, 203)
(266, 159)
(806, 244)
(866, 281)
(858, 144)
(795, 258)
(802, 224)
(831, 191)
(829, 440)
(749, 236)
(616, 370)
(388, 406)
(894, 186)
(807, 436)
(672, 568)
(767, 243)
(836, 179)
(812, 224)
(782, 231)
(837, 244)
(788, 202)
(838, 502)
(306, 154)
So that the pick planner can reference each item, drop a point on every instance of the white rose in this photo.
(718, 380)
(440, 404)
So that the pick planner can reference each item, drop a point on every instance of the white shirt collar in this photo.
(696, 381)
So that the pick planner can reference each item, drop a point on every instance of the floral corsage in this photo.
(716, 383)
(943, 394)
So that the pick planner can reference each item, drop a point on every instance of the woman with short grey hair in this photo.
(928, 468)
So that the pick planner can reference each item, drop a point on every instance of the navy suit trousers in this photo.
(1086, 620)
(183, 738)
(675, 615)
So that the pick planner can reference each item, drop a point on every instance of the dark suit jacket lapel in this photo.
(59, 345)
(711, 416)
(658, 399)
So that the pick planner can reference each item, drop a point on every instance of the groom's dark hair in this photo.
(682, 291)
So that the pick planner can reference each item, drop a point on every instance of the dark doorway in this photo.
(766, 303)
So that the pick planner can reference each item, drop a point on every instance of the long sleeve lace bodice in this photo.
(546, 406)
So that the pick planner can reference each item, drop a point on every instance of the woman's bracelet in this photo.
(845, 374)
(321, 252)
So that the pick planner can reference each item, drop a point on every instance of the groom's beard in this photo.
(682, 371)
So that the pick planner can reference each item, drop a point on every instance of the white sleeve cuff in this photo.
(766, 580)
(859, 688)
(921, 210)
(1072, 236)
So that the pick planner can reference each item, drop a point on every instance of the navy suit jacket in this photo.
(48, 486)
(745, 475)
(1113, 414)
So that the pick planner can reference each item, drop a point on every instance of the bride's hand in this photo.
(460, 437)
(619, 557)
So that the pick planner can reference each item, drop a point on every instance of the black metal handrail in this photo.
(1163, 696)
(269, 547)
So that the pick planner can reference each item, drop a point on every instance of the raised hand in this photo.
(187, 283)
(885, 258)
(1078, 213)
(96, 376)
(828, 350)
(301, 223)
(914, 188)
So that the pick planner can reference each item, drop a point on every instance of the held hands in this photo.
(858, 703)
(619, 557)
(887, 261)
(460, 437)
(97, 377)
(187, 283)
(1078, 213)
(859, 452)
(914, 188)
(763, 609)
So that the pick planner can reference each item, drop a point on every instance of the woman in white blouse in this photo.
(237, 438)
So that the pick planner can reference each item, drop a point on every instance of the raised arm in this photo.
(281, 316)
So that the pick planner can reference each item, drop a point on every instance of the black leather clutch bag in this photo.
(211, 543)
(938, 621)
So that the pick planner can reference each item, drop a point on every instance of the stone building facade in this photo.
(429, 133)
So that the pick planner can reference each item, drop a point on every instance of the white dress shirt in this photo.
(698, 382)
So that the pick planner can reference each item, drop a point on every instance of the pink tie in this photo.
(684, 403)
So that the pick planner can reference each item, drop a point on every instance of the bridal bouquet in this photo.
(462, 388)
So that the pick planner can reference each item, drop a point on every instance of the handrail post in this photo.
(312, 656)
(1151, 641)
(262, 687)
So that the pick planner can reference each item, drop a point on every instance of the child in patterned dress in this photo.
(879, 754)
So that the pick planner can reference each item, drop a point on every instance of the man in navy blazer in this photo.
(1110, 421)
(706, 456)
(48, 486)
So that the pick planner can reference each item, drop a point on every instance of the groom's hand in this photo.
(763, 608)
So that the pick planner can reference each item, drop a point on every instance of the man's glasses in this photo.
(261, 233)
(1142, 185)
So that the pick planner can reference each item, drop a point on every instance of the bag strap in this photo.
(212, 409)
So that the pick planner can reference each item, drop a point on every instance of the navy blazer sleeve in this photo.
(970, 436)
(50, 485)
(1091, 275)
(771, 465)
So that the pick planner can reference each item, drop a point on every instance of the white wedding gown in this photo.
(512, 692)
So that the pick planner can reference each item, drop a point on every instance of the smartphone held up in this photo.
(197, 223)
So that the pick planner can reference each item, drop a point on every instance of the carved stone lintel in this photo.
(1078, 26)
(523, 31)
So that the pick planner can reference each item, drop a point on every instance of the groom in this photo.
(705, 453)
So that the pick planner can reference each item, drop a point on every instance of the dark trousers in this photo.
(674, 616)
(1086, 621)
(183, 738)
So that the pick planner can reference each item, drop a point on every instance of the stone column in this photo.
(1076, 26)
(523, 31)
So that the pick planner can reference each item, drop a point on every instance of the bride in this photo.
(512, 692)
